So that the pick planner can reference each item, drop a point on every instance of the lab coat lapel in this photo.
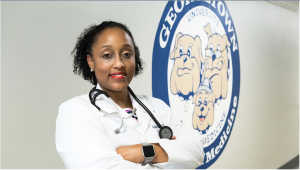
(132, 123)
(104, 103)
(143, 117)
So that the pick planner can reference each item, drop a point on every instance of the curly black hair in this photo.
(84, 47)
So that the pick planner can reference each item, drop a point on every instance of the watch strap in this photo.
(148, 160)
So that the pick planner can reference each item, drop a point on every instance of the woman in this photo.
(108, 57)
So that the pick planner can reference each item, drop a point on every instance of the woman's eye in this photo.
(127, 55)
(106, 56)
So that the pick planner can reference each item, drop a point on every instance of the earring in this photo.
(91, 70)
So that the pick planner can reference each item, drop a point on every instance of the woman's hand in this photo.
(161, 154)
(134, 153)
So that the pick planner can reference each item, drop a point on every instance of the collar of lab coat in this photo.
(143, 117)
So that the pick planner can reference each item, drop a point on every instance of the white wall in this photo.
(266, 129)
(36, 76)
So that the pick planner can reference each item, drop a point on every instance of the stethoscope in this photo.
(164, 131)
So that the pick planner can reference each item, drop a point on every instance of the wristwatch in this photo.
(148, 152)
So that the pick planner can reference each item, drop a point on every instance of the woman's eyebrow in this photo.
(127, 45)
(105, 46)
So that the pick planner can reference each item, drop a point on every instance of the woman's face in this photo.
(113, 59)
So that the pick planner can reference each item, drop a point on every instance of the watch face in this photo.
(148, 151)
(166, 133)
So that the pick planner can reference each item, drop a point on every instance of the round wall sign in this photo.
(196, 70)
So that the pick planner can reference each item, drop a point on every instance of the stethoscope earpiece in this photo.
(118, 130)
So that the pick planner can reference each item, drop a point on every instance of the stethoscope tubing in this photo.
(144, 107)
(98, 92)
(93, 98)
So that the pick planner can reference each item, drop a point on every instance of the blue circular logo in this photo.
(196, 70)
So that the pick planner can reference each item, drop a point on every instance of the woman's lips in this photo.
(118, 75)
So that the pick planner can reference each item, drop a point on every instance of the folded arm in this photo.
(133, 153)
(82, 143)
(186, 152)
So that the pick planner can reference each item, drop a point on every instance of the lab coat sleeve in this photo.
(82, 143)
(186, 152)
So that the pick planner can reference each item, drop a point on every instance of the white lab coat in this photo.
(85, 137)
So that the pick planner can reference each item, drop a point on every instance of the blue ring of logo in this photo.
(160, 65)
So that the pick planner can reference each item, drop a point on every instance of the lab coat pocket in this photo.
(153, 132)
(127, 135)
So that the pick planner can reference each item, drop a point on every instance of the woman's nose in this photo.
(118, 62)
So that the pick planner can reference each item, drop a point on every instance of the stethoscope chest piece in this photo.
(165, 132)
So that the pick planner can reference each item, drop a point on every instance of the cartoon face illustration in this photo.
(216, 62)
(203, 116)
(185, 76)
